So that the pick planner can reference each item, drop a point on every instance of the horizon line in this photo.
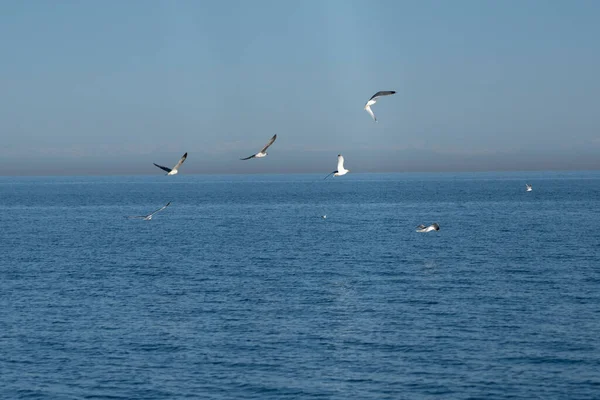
(458, 171)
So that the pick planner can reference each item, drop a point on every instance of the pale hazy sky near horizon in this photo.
(110, 87)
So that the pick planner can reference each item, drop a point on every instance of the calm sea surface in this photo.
(241, 290)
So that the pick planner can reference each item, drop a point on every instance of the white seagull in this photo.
(173, 171)
(340, 168)
(263, 152)
(324, 216)
(529, 188)
(149, 216)
(373, 100)
(432, 227)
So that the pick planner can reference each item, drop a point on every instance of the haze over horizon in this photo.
(110, 88)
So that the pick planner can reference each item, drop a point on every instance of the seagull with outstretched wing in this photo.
(263, 152)
(373, 100)
(174, 170)
(340, 168)
(432, 227)
(149, 216)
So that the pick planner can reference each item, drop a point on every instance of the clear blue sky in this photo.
(112, 86)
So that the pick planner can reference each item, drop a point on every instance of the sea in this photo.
(240, 289)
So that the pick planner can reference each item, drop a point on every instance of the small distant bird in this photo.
(432, 227)
(529, 188)
(263, 152)
(173, 171)
(373, 100)
(324, 216)
(149, 216)
(340, 168)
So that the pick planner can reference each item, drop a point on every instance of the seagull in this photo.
(323, 216)
(340, 168)
(174, 170)
(263, 152)
(432, 227)
(373, 100)
(149, 216)
(529, 188)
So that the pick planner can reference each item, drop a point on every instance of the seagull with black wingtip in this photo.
(373, 100)
(149, 216)
(263, 151)
(174, 170)
(340, 168)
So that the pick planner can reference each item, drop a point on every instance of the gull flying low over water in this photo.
(263, 152)
(149, 216)
(432, 227)
(340, 168)
(173, 171)
(528, 186)
(373, 100)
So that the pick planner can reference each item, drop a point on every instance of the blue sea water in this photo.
(241, 290)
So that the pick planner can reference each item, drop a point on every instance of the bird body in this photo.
(340, 171)
(175, 169)
(529, 188)
(263, 151)
(432, 227)
(373, 100)
(149, 216)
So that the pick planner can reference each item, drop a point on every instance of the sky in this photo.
(111, 87)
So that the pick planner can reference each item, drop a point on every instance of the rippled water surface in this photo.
(241, 290)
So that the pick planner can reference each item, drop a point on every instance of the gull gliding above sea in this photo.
(373, 100)
(149, 216)
(263, 151)
(174, 170)
(340, 168)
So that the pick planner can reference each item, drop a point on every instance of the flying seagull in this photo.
(263, 152)
(149, 216)
(340, 168)
(529, 188)
(174, 170)
(373, 100)
(432, 227)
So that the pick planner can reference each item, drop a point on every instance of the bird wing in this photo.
(368, 108)
(340, 166)
(180, 161)
(247, 158)
(160, 209)
(420, 227)
(164, 168)
(382, 93)
(268, 144)
(329, 175)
